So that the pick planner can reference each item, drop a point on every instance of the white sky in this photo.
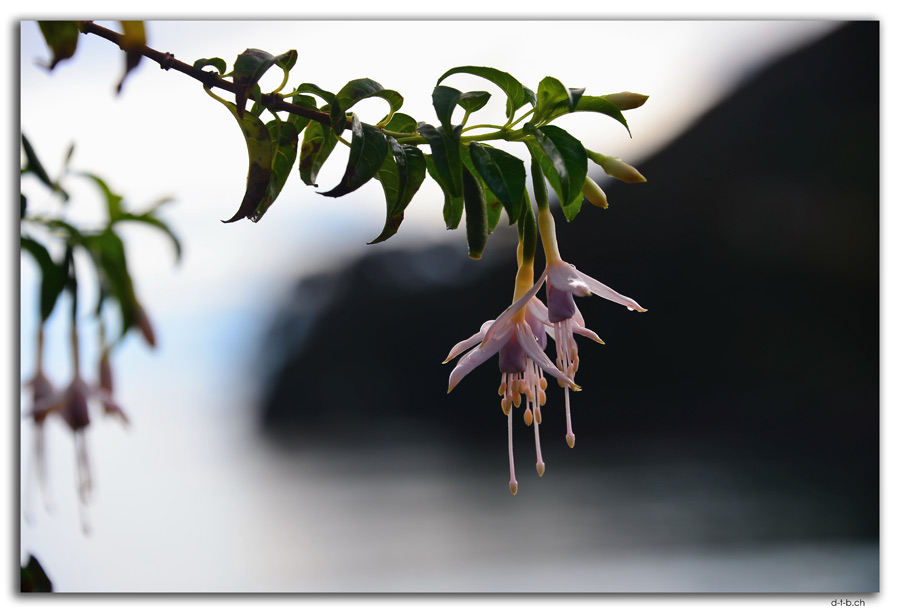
(163, 124)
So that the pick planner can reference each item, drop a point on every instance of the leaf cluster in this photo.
(475, 177)
(103, 245)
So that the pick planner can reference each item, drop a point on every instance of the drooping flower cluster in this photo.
(519, 338)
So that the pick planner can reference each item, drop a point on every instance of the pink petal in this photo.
(477, 357)
(533, 350)
(607, 292)
(473, 340)
(514, 308)
(564, 277)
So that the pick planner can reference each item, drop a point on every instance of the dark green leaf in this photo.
(493, 204)
(453, 205)
(473, 101)
(318, 143)
(567, 157)
(444, 100)
(333, 107)
(401, 122)
(476, 215)
(503, 173)
(307, 102)
(551, 94)
(286, 60)
(52, 280)
(360, 89)
(260, 151)
(530, 96)
(593, 104)
(23, 205)
(445, 151)
(249, 67)
(217, 63)
(367, 152)
(401, 175)
(61, 37)
(515, 92)
(573, 206)
(285, 141)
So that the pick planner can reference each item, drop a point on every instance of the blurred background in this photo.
(291, 431)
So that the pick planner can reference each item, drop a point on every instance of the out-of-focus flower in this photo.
(518, 337)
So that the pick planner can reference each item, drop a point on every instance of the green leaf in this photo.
(401, 122)
(216, 62)
(360, 89)
(113, 200)
(149, 219)
(476, 215)
(52, 280)
(567, 157)
(333, 107)
(33, 164)
(260, 151)
(445, 151)
(401, 175)
(285, 141)
(444, 100)
(453, 205)
(592, 104)
(553, 99)
(307, 102)
(318, 143)
(473, 101)
(286, 60)
(108, 253)
(503, 173)
(515, 92)
(249, 67)
(61, 37)
(368, 150)
(493, 204)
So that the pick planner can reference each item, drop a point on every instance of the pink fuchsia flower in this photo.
(518, 338)
(564, 282)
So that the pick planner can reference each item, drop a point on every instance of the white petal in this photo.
(473, 340)
(610, 294)
(533, 350)
(586, 333)
(514, 308)
(564, 277)
(477, 357)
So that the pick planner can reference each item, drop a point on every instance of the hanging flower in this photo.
(518, 336)
(564, 282)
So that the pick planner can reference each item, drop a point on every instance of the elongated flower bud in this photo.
(616, 168)
(145, 326)
(626, 100)
(593, 193)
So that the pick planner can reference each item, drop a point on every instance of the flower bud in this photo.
(626, 100)
(105, 375)
(616, 168)
(593, 193)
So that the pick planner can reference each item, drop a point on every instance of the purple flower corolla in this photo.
(564, 282)
(518, 337)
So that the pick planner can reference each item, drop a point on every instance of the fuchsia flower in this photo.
(518, 337)
(564, 282)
